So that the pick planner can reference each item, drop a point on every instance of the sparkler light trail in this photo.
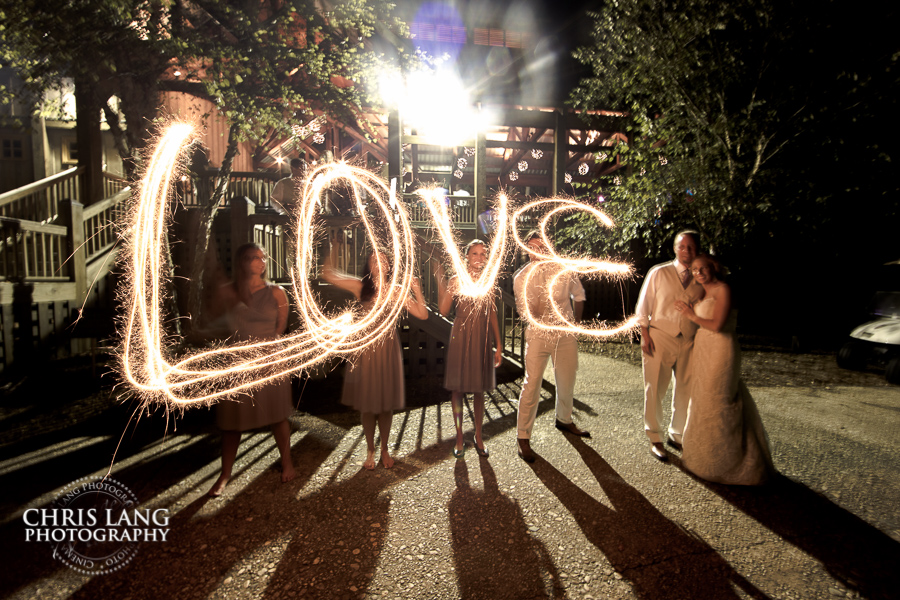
(372, 325)
(211, 375)
(484, 285)
(214, 374)
(583, 266)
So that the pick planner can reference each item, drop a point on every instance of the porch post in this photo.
(89, 143)
(241, 230)
(560, 152)
(72, 216)
(480, 174)
(395, 150)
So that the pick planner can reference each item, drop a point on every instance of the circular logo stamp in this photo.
(95, 526)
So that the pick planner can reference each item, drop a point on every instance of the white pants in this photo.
(671, 361)
(538, 351)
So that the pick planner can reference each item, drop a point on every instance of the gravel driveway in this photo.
(596, 518)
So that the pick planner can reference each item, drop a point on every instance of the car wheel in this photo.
(892, 373)
(851, 356)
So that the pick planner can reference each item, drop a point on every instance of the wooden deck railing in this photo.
(52, 245)
(101, 221)
(32, 251)
(462, 211)
(47, 237)
(257, 187)
(354, 253)
(55, 259)
(39, 202)
(113, 184)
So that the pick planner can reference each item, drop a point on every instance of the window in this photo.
(69, 151)
(501, 37)
(13, 149)
(429, 32)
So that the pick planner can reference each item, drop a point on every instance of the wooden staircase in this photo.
(56, 259)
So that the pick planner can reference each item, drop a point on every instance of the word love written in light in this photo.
(208, 376)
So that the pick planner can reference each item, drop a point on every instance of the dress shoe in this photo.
(659, 451)
(572, 428)
(483, 451)
(671, 441)
(525, 451)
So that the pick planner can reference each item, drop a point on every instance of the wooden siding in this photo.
(215, 132)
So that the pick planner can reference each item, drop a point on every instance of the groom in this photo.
(667, 339)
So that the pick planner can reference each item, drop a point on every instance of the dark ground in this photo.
(597, 518)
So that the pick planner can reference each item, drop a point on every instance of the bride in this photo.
(724, 439)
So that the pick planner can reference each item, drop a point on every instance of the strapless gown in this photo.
(724, 438)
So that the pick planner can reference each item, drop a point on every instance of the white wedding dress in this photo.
(724, 439)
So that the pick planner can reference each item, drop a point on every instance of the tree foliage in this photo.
(270, 65)
(116, 48)
(264, 63)
(747, 118)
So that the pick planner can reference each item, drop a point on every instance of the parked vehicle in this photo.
(877, 340)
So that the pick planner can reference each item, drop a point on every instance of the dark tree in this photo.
(766, 125)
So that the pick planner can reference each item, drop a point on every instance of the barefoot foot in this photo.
(287, 473)
(218, 487)
(386, 459)
(369, 465)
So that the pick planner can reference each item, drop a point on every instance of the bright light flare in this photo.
(585, 267)
(436, 104)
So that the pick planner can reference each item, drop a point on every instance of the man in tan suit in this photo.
(533, 297)
(667, 339)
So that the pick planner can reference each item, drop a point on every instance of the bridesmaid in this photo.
(373, 382)
(724, 438)
(257, 310)
(470, 364)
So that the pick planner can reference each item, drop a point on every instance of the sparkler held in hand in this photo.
(212, 375)
(470, 362)
(555, 319)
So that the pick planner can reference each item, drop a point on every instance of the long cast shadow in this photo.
(28, 562)
(324, 545)
(262, 525)
(161, 468)
(200, 551)
(661, 559)
(485, 524)
(854, 552)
